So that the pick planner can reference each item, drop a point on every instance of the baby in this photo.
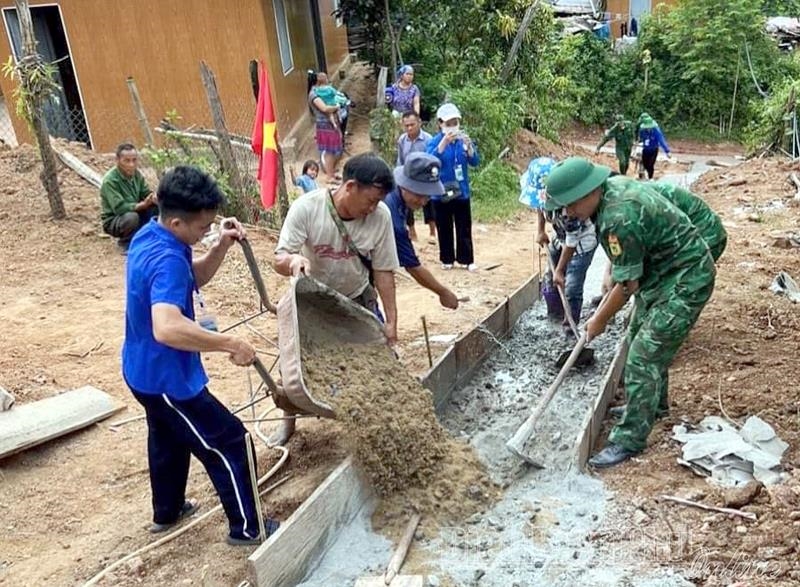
(330, 96)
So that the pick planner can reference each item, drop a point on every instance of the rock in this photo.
(433, 581)
(741, 529)
(737, 497)
(479, 573)
(538, 564)
(639, 517)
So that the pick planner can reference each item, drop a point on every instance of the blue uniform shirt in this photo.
(405, 250)
(306, 183)
(454, 157)
(159, 270)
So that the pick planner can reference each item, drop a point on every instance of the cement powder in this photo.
(388, 423)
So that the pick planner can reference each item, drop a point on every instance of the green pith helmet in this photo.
(646, 121)
(573, 179)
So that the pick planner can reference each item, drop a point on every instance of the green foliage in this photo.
(491, 115)
(495, 192)
(384, 129)
(35, 84)
(772, 120)
(781, 7)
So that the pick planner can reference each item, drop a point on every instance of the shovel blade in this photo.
(586, 357)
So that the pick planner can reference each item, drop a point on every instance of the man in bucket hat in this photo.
(417, 180)
(658, 256)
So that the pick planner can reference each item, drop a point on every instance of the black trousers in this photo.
(649, 162)
(125, 226)
(454, 215)
(203, 427)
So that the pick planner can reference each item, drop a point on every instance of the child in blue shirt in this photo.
(308, 181)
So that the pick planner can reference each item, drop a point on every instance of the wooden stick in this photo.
(427, 341)
(401, 551)
(79, 167)
(516, 443)
(747, 515)
(197, 136)
(251, 465)
(564, 303)
(140, 113)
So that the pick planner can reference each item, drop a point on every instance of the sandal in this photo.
(189, 507)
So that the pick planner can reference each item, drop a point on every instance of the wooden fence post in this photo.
(30, 61)
(140, 113)
(225, 148)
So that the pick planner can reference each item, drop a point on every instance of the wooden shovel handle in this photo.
(517, 442)
(564, 303)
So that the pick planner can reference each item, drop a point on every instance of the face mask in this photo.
(452, 130)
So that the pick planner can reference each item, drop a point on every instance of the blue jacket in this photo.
(453, 156)
(652, 139)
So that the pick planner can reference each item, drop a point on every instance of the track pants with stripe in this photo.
(203, 427)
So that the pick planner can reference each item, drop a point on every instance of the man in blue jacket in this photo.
(452, 210)
(416, 180)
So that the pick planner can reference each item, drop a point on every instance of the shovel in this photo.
(586, 356)
(516, 444)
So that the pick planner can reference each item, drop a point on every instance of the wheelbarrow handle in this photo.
(265, 376)
(252, 264)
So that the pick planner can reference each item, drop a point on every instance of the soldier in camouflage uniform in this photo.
(624, 134)
(657, 255)
(707, 223)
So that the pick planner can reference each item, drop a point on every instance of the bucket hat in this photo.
(420, 175)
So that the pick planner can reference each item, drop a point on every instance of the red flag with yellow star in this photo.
(265, 141)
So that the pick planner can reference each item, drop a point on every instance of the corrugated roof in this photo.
(573, 6)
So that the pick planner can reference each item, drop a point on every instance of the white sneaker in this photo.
(447, 266)
(472, 267)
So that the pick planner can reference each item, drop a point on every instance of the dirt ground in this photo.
(740, 358)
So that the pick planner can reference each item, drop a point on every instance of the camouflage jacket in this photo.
(623, 133)
(647, 238)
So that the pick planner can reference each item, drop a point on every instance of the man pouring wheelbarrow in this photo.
(658, 256)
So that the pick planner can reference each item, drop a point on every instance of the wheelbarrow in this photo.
(310, 313)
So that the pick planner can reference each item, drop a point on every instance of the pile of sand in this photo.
(388, 423)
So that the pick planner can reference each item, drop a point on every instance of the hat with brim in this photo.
(448, 111)
(647, 122)
(573, 179)
(420, 175)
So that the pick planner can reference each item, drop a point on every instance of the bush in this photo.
(491, 115)
(495, 192)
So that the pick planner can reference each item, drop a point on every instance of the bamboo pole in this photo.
(141, 116)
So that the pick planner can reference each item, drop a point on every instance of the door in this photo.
(319, 43)
(638, 8)
(63, 111)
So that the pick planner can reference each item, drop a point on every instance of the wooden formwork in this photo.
(284, 559)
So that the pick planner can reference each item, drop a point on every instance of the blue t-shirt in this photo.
(405, 250)
(306, 183)
(159, 270)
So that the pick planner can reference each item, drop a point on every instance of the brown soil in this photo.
(388, 423)
(740, 358)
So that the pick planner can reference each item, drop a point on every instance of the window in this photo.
(336, 6)
(284, 39)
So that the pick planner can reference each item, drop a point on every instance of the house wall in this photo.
(160, 43)
(620, 12)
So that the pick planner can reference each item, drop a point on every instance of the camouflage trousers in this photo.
(623, 154)
(655, 334)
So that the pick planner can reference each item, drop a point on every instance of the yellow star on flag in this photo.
(270, 136)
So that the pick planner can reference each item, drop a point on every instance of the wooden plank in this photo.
(593, 422)
(461, 360)
(284, 559)
(31, 424)
(380, 97)
(79, 167)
